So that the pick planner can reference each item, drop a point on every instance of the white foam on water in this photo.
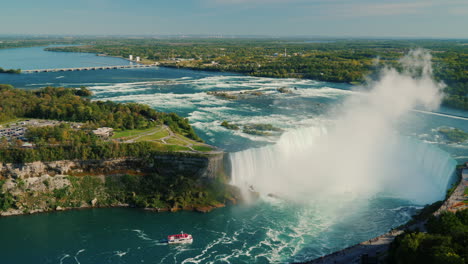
(120, 253)
(63, 258)
(76, 255)
(242, 82)
(323, 92)
(170, 101)
(141, 234)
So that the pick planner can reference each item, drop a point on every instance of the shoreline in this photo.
(195, 209)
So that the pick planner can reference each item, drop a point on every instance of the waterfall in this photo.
(300, 166)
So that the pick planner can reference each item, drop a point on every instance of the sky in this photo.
(333, 18)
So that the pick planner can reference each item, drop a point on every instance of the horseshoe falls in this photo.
(294, 168)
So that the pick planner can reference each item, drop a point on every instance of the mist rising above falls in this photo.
(360, 153)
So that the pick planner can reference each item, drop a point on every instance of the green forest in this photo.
(15, 71)
(445, 242)
(63, 141)
(15, 42)
(350, 61)
(68, 104)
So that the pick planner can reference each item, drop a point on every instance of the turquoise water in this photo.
(268, 230)
(37, 58)
(239, 234)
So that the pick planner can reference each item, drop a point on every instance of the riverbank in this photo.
(132, 189)
(374, 250)
(189, 208)
(162, 182)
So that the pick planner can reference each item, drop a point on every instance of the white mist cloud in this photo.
(361, 153)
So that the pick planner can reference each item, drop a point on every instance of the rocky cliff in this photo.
(202, 166)
(160, 182)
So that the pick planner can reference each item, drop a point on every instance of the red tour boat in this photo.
(180, 239)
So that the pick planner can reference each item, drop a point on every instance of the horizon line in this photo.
(232, 36)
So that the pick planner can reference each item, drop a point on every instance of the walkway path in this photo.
(456, 201)
(372, 248)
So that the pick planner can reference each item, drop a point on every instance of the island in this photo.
(61, 150)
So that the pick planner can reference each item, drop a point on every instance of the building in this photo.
(104, 132)
(137, 59)
(130, 57)
(27, 145)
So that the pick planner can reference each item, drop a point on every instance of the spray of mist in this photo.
(361, 153)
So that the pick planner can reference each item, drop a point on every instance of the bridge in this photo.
(90, 68)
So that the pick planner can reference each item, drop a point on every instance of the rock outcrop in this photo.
(66, 184)
(207, 166)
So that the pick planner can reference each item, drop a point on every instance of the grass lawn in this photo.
(155, 136)
(202, 148)
(176, 141)
(133, 132)
(173, 144)
(170, 148)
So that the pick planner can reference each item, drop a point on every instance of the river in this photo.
(265, 231)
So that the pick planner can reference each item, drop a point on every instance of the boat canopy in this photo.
(178, 236)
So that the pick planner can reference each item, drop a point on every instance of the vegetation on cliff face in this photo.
(445, 242)
(337, 61)
(7, 200)
(155, 191)
(143, 191)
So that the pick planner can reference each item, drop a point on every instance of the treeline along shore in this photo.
(350, 61)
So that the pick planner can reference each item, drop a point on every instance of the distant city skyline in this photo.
(332, 18)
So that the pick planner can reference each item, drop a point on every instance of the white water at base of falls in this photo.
(303, 166)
